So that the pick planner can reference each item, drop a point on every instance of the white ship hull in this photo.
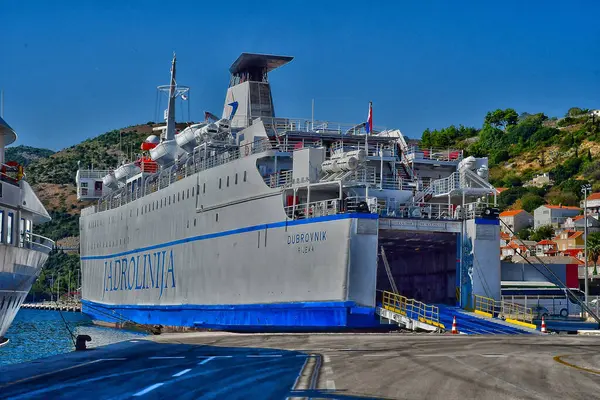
(19, 268)
(227, 258)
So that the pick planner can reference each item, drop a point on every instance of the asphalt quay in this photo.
(298, 366)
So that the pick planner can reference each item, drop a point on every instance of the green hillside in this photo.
(522, 146)
(25, 155)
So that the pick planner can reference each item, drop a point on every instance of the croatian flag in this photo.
(369, 124)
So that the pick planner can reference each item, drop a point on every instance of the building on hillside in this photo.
(546, 248)
(515, 220)
(499, 190)
(593, 203)
(540, 180)
(577, 253)
(569, 240)
(577, 223)
(505, 238)
(554, 216)
(525, 248)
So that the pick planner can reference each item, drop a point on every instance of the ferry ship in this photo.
(23, 253)
(253, 222)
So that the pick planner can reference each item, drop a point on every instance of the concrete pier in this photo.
(340, 366)
(56, 306)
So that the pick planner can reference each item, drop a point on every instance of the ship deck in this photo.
(341, 366)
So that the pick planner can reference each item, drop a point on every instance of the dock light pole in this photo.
(585, 189)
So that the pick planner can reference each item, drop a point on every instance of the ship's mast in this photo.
(170, 134)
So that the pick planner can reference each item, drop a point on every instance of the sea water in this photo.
(42, 333)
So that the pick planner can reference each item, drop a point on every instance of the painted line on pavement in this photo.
(185, 371)
(149, 389)
(166, 358)
(214, 356)
(568, 364)
(326, 358)
(50, 373)
(206, 360)
(330, 384)
(264, 355)
(328, 370)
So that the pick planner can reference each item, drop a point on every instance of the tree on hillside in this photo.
(593, 245)
(574, 111)
(501, 118)
(531, 201)
(542, 233)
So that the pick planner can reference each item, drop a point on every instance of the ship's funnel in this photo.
(249, 93)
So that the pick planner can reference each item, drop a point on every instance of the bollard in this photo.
(80, 342)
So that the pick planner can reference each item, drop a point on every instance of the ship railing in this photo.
(279, 179)
(391, 207)
(93, 173)
(308, 125)
(313, 209)
(411, 308)
(371, 176)
(415, 153)
(37, 242)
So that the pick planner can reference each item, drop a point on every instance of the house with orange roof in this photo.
(505, 238)
(593, 203)
(569, 240)
(577, 253)
(524, 248)
(546, 248)
(577, 223)
(500, 189)
(515, 220)
(554, 216)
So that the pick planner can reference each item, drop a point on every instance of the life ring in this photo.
(12, 164)
(246, 150)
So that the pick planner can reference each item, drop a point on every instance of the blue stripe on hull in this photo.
(235, 232)
(301, 316)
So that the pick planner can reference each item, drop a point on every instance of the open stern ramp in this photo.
(410, 313)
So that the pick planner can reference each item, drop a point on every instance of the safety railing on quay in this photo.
(411, 308)
(502, 309)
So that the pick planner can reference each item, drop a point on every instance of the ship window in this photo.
(177, 196)
(173, 198)
(244, 176)
(194, 221)
(1, 226)
(188, 223)
(204, 187)
(236, 178)
(227, 180)
(219, 183)
(193, 187)
(217, 217)
(188, 193)
(169, 200)
(9, 228)
(157, 204)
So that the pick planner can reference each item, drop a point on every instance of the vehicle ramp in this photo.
(473, 324)
(410, 313)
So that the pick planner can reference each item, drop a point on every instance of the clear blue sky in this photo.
(74, 69)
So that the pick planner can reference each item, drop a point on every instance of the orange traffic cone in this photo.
(544, 326)
(454, 330)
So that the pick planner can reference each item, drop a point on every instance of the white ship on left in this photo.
(22, 252)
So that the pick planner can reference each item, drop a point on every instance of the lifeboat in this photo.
(110, 181)
(187, 139)
(126, 171)
(164, 153)
(150, 142)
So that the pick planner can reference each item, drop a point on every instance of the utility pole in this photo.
(585, 189)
